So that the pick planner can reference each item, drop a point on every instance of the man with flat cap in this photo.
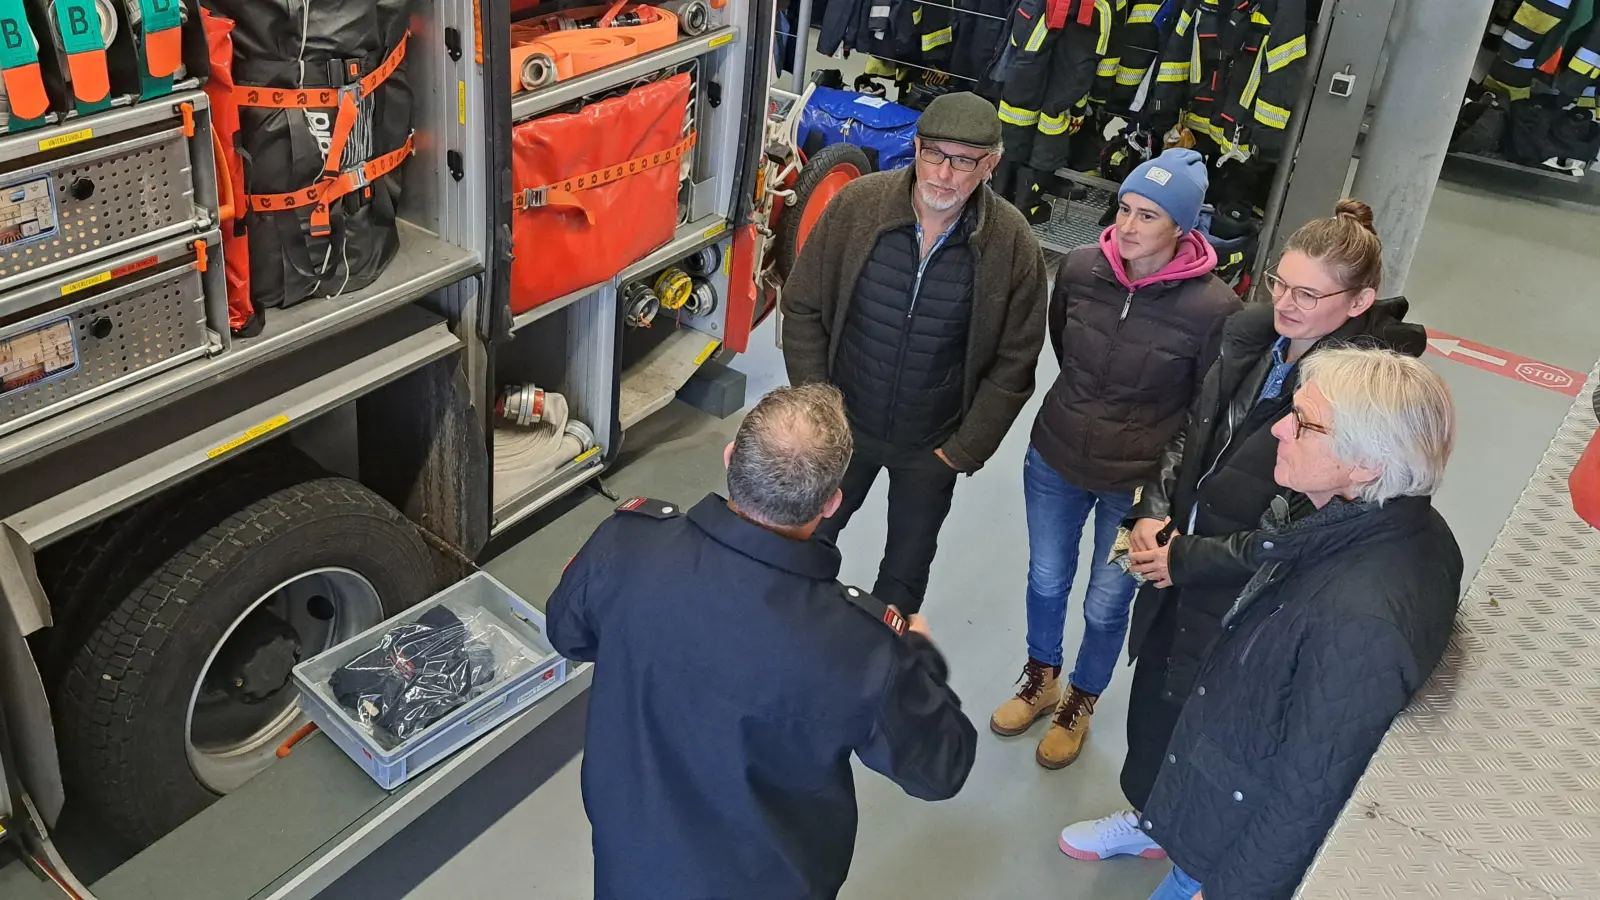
(920, 294)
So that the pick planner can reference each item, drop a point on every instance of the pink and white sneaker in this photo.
(1116, 835)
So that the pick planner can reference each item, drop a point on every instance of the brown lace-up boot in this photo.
(1064, 741)
(1040, 691)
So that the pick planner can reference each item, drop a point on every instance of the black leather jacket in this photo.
(1219, 468)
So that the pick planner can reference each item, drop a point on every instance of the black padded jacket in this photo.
(1219, 467)
(1345, 617)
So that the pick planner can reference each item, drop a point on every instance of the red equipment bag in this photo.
(1584, 483)
(595, 190)
(242, 315)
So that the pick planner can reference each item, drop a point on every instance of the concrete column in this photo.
(1431, 47)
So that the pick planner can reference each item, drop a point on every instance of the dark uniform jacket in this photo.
(1349, 611)
(734, 677)
(1220, 467)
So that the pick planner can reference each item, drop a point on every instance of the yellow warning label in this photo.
(706, 353)
(715, 230)
(720, 39)
(267, 427)
(727, 262)
(85, 283)
(62, 140)
(461, 101)
(587, 454)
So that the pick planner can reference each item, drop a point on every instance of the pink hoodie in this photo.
(1195, 257)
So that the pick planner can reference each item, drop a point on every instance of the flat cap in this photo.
(963, 118)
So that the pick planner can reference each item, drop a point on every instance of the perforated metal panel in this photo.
(120, 340)
(1489, 785)
(106, 201)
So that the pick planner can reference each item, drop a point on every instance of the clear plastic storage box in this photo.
(499, 632)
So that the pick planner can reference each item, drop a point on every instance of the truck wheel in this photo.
(88, 574)
(183, 692)
(821, 179)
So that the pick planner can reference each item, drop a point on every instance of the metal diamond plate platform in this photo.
(1488, 786)
(1073, 223)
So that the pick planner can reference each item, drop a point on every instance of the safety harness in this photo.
(334, 182)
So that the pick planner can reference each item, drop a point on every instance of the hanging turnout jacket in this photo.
(1048, 68)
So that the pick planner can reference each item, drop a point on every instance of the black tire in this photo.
(88, 574)
(122, 710)
(822, 164)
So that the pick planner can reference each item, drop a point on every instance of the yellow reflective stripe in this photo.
(1235, 257)
(1288, 53)
(1203, 126)
(1194, 59)
(1260, 18)
(1143, 13)
(1535, 20)
(1053, 124)
(1183, 24)
(1271, 116)
(916, 16)
(1173, 71)
(1582, 68)
(1013, 115)
(1104, 9)
(1107, 67)
(935, 40)
(1036, 40)
(1129, 76)
(1252, 86)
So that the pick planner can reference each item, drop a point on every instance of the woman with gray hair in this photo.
(1348, 612)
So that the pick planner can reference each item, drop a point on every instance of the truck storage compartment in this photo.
(94, 188)
(553, 414)
(407, 693)
(598, 188)
(89, 332)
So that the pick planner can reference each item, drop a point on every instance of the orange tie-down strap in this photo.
(345, 98)
(565, 193)
(326, 190)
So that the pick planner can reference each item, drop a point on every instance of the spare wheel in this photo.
(183, 692)
(821, 179)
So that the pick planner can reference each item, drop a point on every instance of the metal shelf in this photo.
(528, 105)
(587, 465)
(689, 238)
(291, 831)
(424, 264)
(1506, 165)
(551, 307)
(413, 339)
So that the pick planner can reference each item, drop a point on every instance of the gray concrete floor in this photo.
(1500, 272)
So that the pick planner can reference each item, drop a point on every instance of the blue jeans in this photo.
(1176, 886)
(1057, 512)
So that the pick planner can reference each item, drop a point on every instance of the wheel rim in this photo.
(827, 188)
(243, 705)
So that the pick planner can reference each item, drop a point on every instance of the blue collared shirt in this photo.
(1280, 371)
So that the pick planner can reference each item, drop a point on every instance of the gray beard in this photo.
(937, 205)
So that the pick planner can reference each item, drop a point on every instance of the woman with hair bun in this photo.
(1216, 481)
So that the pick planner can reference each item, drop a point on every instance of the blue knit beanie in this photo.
(1176, 181)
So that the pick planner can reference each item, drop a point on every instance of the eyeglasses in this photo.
(1301, 426)
(934, 156)
(1304, 298)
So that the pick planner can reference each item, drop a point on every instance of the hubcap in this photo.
(244, 705)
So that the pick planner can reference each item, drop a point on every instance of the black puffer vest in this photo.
(904, 347)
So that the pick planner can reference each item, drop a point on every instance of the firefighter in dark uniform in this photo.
(734, 677)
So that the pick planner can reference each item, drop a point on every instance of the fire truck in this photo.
(301, 304)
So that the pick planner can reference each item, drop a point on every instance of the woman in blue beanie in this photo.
(1135, 322)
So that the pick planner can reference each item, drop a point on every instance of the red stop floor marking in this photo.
(1505, 364)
